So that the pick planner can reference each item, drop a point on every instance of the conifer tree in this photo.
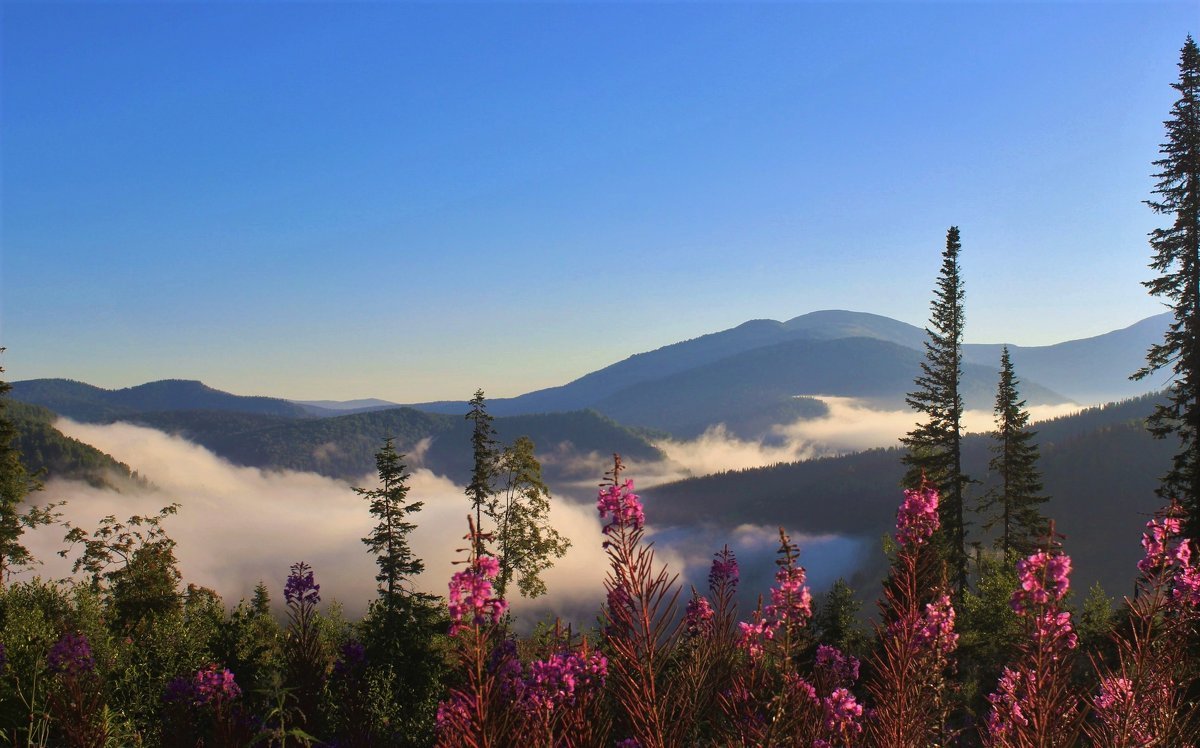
(483, 473)
(1015, 455)
(1177, 259)
(935, 446)
(15, 485)
(389, 539)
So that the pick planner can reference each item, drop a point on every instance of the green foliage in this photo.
(989, 630)
(133, 562)
(48, 452)
(1177, 260)
(388, 540)
(1015, 501)
(485, 452)
(836, 621)
(250, 643)
(520, 511)
(935, 446)
(15, 485)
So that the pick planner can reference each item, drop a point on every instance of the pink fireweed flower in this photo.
(1044, 578)
(724, 570)
(1119, 710)
(215, 685)
(936, 628)
(1160, 534)
(791, 599)
(472, 595)
(623, 504)
(1054, 632)
(840, 669)
(1006, 716)
(917, 519)
(558, 680)
(699, 616)
(1187, 583)
(842, 713)
(752, 637)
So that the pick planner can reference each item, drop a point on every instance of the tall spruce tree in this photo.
(1177, 259)
(1016, 499)
(389, 539)
(481, 489)
(935, 445)
(401, 627)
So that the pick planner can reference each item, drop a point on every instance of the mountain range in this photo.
(1100, 465)
(749, 375)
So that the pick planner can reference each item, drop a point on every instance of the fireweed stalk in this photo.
(77, 704)
(1140, 701)
(1034, 704)
(708, 647)
(477, 713)
(560, 698)
(909, 686)
(640, 627)
(769, 701)
(305, 659)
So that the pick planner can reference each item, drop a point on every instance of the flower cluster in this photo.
(1006, 716)
(842, 713)
(1054, 632)
(558, 680)
(214, 685)
(472, 596)
(724, 569)
(1187, 582)
(623, 504)
(300, 588)
(917, 519)
(1161, 541)
(791, 604)
(211, 685)
(1044, 579)
(839, 670)
(936, 628)
(71, 655)
(699, 615)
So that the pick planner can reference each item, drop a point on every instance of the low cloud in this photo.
(849, 425)
(238, 525)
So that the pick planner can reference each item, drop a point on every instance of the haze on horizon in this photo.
(411, 201)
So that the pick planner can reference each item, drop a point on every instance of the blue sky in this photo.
(340, 200)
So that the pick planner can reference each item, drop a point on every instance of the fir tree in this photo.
(1177, 259)
(935, 446)
(483, 473)
(1014, 461)
(15, 485)
(389, 539)
(524, 538)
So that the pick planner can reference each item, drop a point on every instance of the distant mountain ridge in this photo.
(86, 402)
(750, 377)
(786, 359)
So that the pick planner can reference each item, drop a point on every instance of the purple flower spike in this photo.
(300, 587)
(71, 655)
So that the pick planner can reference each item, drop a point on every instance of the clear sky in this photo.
(341, 200)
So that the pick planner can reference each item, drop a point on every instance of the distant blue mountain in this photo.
(748, 375)
(84, 402)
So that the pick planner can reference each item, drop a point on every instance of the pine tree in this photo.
(389, 539)
(935, 446)
(524, 538)
(1015, 456)
(15, 485)
(1177, 259)
(481, 490)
